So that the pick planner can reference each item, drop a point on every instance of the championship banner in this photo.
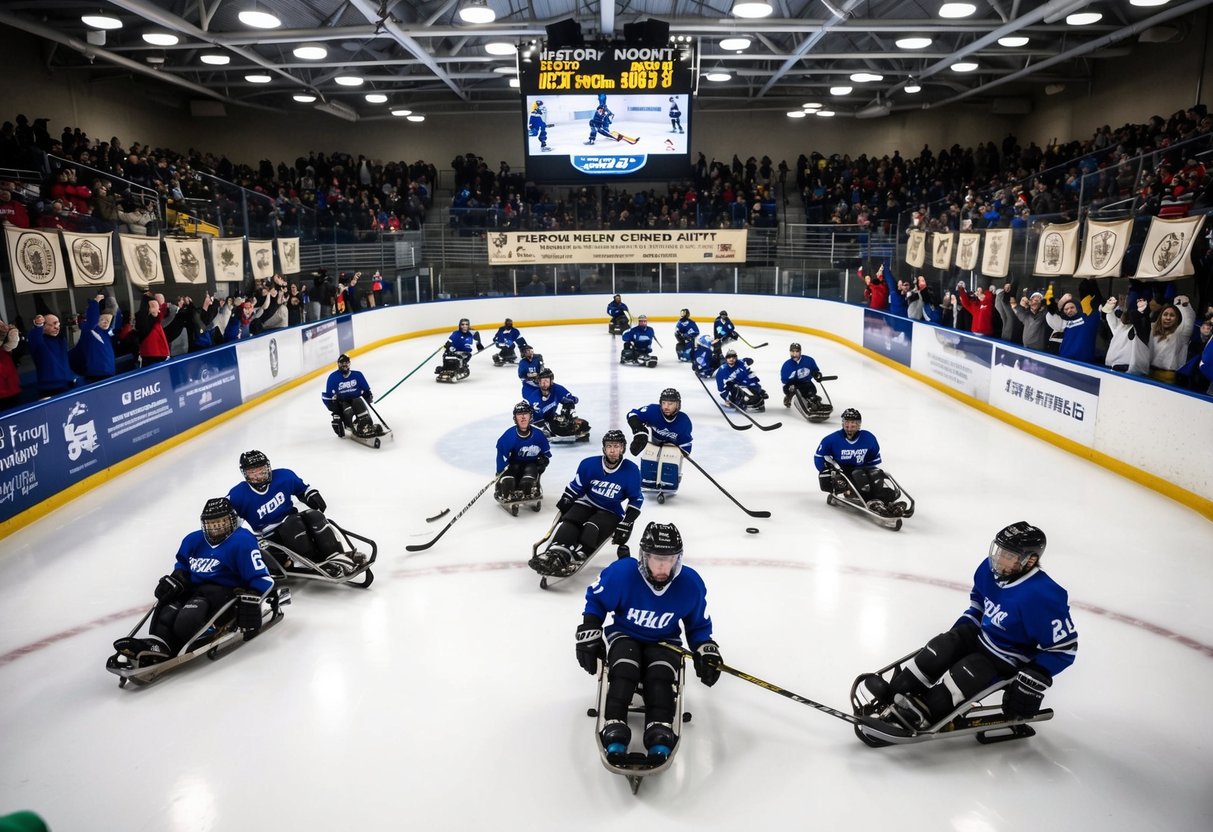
(1057, 251)
(141, 257)
(1104, 248)
(227, 258)
(1167, 252)
(186, 258)
(996, 256)
(511, 248)
(941, 250)
(261, 258)
(916, 249)
(967, 246)
(34, 256)
(91, 257)
(288, 254)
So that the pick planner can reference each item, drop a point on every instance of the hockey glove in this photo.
(707, 662)
(624, 530)
(541, 462)
(825, 479)
(1023, 696)
(368, 397)
(749, 362)
(565, 503)
(314, 500)
(338, 425)
(639, 442)
(591, 649)
(817, 376)
(248, 612)
(172, 587)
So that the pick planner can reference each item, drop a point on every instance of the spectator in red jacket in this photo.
(10, 380)
(876, 290)
(981, 308)
(153, 343)
(12, 211)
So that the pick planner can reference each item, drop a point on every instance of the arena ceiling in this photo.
(423, 55)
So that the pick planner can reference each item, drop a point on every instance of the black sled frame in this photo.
(303, 568)
(636, 766)
(552, 578)
(514, 506)
(820, 411)
(847, 495)
(986, 721)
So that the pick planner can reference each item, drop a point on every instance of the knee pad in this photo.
(660, 682)
(322, 533)
(928, 665)
(623, 661)
(506, 484)
(628, 354)
(163, 620)
(292, 534)
(968, 677)
(193, 614)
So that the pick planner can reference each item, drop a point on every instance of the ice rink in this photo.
(447, 696)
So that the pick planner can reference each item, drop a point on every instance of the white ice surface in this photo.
(447, 696)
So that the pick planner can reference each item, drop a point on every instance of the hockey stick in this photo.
(418, 547)
(424, 361)
(718, 407)
(752, 346)
(755, 421)
(754, 680)
(380, 418)
(438, 516)
(721, 487)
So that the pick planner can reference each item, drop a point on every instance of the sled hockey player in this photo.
(619, 318)
(662, 432)
(347, 396)
(600, 125)
(529, 368)
(457, 352)
(215, 564)
(553, 405)
(1017, 631)
(705, 360)
(686, 332)
(723, 330)
(650, 602)
(638, 344)
(522, 455)
(675, 117)
(265, 500)
(591, 509)
(508, 340)
(847, 463)
(737, 386)
(798, 374)
(537, 125)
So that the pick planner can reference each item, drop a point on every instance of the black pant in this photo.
(178, 622)
(631, 662)
(586, 525)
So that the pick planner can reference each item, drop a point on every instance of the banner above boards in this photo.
(513, 248)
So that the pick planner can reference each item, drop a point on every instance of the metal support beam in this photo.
(371, 13)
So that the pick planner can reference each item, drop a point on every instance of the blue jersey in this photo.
(738, 374)
(674, 111)
(545, 406)
(535, 123)
(528, 369)
(234, 562)
(594, 485)
(1025, 620)
(704, 361)
(861, 452)
(641, 338)
(795, 371)
(507, 337)
(723, 328)
(642, 613)
(462, 341)
(600, 121)
(264, 510)
(616, 308)
(345, 386)
(676, 431)
(514, 447)
(686, 329)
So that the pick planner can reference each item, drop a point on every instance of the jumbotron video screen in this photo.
(607, 113)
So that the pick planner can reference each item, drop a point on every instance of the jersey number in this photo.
(259, 564)
(1062, 629)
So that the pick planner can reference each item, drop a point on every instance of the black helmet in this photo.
(545, 373)
(252, 461)
(463, 321)
(1021, 540)
(615, 436)
(794, 347)
(660, 540)
(723, 314)
(509, 322)
(219, 519)
(670, 395)
(343, 359)
(684, 313)
(527, 348)
(851, 415)
(524, 407)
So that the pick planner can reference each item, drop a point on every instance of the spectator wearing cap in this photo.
(1032, 314)
(10, 380)
(48, 346)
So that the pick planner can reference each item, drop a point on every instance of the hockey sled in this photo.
(888, 514)
(216, 638)
(565, 430)
(660, 470)
(371, 436)
(351, 565)
(815, 411)
(534, 502)
(636, 765)
(638, 360)
(985, 721)
(453, 368)
(549, 576)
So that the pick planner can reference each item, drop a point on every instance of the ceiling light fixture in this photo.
(402, 113)
(913, 87)
(349, 80)
(258, 19)
(735, 44)
(954, 10)
(914, 42)
(416, 117)
(310, 52)
(476, 11)
(797, 114)
(515, 83)
(826, 113)
(751, 9)
(1146, 4)
(258, 79)
(1084, 18)
(717, 77)
(840, 90)
(500, 47)
(100, 20)
(1013, 41)
(506, 70)
(215, 58)
(376, 98)
(159, 37)
(811, 105)
(866, 77)
(964, 66)
(304, 97)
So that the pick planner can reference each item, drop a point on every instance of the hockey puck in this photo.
(751, 530)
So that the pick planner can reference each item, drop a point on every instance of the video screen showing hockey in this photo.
(607, 136)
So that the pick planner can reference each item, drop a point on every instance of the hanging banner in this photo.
(186, 258)
(288, 255)
(1167, 252)
(34, 256)
(916, 249)
(91, 257)
(1057, 251)
(941, 250)
(227, 259)
(1104, 248)
(141, 257)
(967, 246)
(996, 256)
(515, 248)
(261, 258)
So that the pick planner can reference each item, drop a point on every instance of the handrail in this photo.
(150, 197)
